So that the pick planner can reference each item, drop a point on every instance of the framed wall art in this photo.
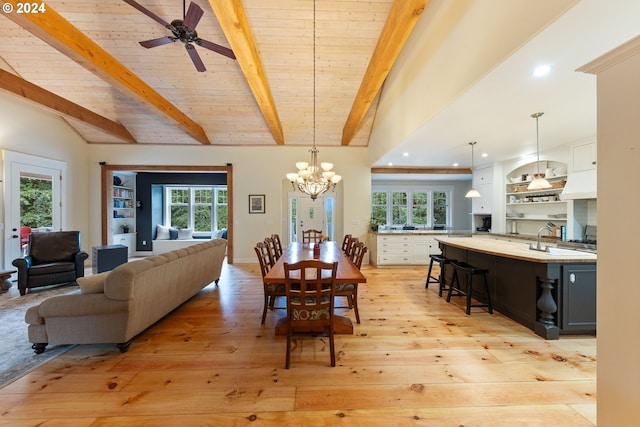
(256, 203)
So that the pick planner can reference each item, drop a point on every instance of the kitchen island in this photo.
(550, 293)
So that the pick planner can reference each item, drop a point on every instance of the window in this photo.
(418, 207)
(399, 207)
(202, 208)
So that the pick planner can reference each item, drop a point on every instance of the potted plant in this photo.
(124, 228)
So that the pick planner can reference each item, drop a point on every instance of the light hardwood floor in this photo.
(414, 360)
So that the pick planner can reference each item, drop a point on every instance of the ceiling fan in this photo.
(183, 30)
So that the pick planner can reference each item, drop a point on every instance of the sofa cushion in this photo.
(52, 268)
(93, 284)
(53, 247)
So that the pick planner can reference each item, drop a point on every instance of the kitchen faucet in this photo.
(549, 227)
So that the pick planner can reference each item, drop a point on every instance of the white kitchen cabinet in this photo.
(483, 182)
(584, 157)
(126, 239)
(402, 249)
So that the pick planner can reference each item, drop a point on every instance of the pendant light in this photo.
(473, 192)
(538, 182)
(312, 179)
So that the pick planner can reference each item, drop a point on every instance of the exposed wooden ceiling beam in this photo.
(402, 18)
(233, 20)
(55, 30)
(52, 102)
(416, 170)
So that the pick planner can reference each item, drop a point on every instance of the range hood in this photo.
(581, 185)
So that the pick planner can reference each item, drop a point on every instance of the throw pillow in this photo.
(185, 233)
(162, 232)
(173, 233)
(93, 284)
(216, 234)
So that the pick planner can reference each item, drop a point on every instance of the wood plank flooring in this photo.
(414, 360)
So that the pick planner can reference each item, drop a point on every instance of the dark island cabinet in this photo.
(552, 295)
(578, 312)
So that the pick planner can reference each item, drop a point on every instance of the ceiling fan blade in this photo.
(193, 53)
(148, 13)
(216, 48)
(157, 42)
(194, 13)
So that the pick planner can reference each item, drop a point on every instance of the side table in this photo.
(5, 279)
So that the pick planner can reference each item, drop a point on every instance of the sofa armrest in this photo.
(75, 305)
(23, 264)
(79, 259)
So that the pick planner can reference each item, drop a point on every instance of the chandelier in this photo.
(311, 179)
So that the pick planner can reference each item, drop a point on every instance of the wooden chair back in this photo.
(262, 251)
(359, 251)
(277, 245)
(345, 242)
(271, 290)
(352, 244)
(310, 289)
(271, 246)
(311, 236)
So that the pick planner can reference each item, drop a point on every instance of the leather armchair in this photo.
(54, 258)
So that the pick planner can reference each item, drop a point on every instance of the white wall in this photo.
(618, 230)
(29, 130)
(257, 170)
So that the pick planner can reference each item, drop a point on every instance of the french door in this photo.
(18, 167)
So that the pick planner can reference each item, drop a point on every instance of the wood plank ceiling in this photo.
(82, 59)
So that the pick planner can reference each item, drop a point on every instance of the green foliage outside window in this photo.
(36, 202)
(439, 207)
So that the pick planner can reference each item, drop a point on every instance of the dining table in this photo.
(330, 252)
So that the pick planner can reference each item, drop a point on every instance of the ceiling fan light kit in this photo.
(184, 30)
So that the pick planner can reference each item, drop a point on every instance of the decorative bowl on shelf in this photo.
(515, 180)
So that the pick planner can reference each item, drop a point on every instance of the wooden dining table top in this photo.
(329, 252)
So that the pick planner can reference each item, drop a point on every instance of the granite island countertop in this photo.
(518, 250)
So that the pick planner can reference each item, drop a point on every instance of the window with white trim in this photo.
(201, 208)
(426, 206)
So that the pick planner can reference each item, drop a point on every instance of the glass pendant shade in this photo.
(538, 183)
(473, 192)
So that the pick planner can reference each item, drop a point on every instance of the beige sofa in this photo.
(115, 306)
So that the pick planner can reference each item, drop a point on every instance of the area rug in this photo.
(16, 355)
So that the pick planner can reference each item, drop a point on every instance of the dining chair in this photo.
(352, 244)
(350, 290)
(345, 242)
(311, 236)
(277, 245)
(310, 288)
(271, 290)
(271, 246)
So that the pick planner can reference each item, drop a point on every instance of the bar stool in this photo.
(471, 271)
(443, 261)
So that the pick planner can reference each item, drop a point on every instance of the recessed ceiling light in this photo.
(455, 165)
(541, 70)
(405, 154)
(485, 155)
(389, 164)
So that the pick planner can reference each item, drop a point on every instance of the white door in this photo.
(17, 166)
(311, 214)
